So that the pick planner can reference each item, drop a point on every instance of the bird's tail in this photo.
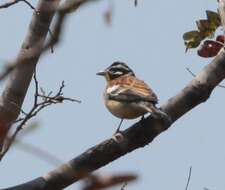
(159, 114)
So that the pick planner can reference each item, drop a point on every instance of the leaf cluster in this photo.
(206, 29)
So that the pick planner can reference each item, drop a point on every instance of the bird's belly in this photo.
(125, 110)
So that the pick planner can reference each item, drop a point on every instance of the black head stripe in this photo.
(119, 69)
(118, 63)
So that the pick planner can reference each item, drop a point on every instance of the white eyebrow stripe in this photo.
(118, 73)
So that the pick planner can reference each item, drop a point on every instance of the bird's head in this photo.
(117, 69)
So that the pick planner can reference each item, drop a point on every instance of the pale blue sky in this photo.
(149, 39)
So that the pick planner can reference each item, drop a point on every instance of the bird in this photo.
(126, 96)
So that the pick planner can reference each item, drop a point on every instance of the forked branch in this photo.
(41, 101)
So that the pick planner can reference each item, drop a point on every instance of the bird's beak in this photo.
(101, 73)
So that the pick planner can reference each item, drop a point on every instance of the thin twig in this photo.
(8, 4)
(13, 2)
(37, 107)
(30, 5)
(61, 88)
(189, 70)
(189, 178)
(51, 36)
(36, 88)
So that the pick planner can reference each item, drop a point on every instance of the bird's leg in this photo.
(118, 128)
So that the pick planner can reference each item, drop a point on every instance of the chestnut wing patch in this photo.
(131, 89)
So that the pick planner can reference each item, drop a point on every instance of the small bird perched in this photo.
(126, 96)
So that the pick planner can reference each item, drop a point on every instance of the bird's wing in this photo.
(131, 89)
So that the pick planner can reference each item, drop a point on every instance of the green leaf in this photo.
(214, 18)
(206, 28)
(192, 39)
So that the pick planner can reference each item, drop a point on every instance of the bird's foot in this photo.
(117, 130)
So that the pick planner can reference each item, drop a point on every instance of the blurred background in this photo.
(149, 39)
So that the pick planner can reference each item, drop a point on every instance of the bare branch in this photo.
(189, 178)
(21, 75)
(36, 89)
(24, 66)
(8, 4)
(55, 35)
(138, 135)
(37, 107)
(189, 70)
(66, 8)
(13, 2)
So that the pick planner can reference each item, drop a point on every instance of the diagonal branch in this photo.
(22, 69)
(189, 178)
(137, 136)
(62, 11)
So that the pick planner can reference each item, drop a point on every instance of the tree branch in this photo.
(33, 46)
(13, 2)
(137, 136)
(189, 178)
(21, 75)
(62, 11)
(41, 101)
